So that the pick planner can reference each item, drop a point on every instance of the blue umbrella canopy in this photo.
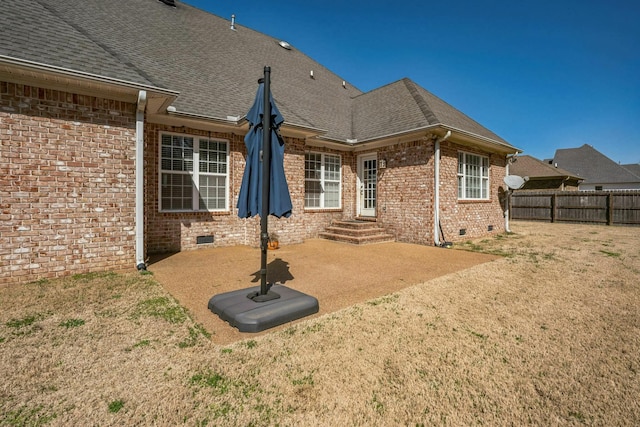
(250, 196)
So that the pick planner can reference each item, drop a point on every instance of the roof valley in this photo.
(100, 44)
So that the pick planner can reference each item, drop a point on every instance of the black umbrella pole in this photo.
(265, 295)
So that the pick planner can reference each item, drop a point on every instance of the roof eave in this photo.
(436, 129)
(58, 78)
(481, 141)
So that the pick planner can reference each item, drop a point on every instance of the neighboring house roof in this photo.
(634, 168)
(593, 166)
(533, 168)
(541, 175)
(213, 67)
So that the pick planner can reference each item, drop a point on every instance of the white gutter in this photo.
(238, 121)
(142, 103)
(427, 128)
(67, 72)
(352, 142)
(436, 190)
(235, 120)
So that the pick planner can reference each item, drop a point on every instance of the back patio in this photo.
(337, 274)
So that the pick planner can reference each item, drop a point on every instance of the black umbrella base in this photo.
(243, 310)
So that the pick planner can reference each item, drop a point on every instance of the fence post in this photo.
(609, 209)
(554, 203)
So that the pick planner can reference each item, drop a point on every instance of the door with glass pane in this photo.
(367, 184)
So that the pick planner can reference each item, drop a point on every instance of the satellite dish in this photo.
(514, 182)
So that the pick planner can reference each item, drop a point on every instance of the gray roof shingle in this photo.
(33, 31)
(534, 168)
(404, 105)
(593, 166)
(214, 68)
(634, 168)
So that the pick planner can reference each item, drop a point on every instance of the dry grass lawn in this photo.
(549, 334)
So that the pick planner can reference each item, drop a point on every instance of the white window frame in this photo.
(323, 179)
(473, 176)
(195, 174)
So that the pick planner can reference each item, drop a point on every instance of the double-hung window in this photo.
(322, 177)
(194, 173)
(473, 177)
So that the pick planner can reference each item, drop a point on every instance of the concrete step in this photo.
(356, 232)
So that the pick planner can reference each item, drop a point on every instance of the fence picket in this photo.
(602, 207)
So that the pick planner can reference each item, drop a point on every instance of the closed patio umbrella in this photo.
(263, 192)
(264, 187)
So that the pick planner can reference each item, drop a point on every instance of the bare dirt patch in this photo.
(548, 334)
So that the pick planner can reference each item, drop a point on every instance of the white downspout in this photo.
(507, 195)
(436, 192)
(142, 103)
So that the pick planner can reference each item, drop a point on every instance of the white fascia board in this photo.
(30, 72)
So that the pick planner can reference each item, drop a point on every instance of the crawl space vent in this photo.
(200, 240)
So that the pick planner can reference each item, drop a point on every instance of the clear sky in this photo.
(544, 74)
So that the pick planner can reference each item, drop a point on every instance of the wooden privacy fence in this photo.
(602, 207)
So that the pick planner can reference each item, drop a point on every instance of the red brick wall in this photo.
(67, 193)
(169, 231)
(406, 196)
(473, 216)
(405, 191)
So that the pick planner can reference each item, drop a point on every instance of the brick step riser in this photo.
(354, 225)
(358, 240)
(355, 232)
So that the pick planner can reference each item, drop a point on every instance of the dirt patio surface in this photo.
(337, 274)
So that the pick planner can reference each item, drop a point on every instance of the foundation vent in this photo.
(201, 240)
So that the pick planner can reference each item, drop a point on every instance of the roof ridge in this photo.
(420, 101)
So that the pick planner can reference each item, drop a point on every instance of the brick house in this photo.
(122, 127)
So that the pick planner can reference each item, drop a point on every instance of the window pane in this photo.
(212, 192)
(312, 193)
(213, 156)
(331, 195)
(331, 168)
(177, 191)
(176, 153)
(312, 166)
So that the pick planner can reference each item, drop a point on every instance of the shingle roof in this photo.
(214, 68)
(634, 168)
(592, 165)
(404, 105)
(35, 32)
(533, 168)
